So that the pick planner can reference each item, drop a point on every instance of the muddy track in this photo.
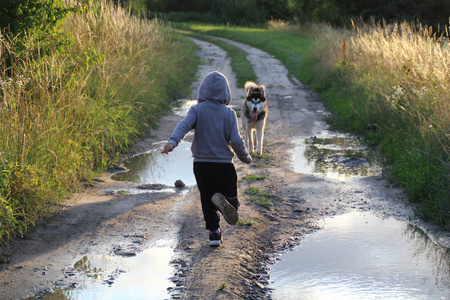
(98, 221)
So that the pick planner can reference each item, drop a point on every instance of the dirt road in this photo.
(95, 222)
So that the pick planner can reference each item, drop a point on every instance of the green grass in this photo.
(252, 177)
(222, 286)
(245, 223)
(239, 63)
(260, 196)
(290, 47)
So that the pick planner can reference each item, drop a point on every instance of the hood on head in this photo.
(215, 87)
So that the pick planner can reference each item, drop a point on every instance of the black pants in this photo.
(214, 178)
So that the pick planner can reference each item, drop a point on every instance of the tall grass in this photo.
(394, 79)
(65, 116)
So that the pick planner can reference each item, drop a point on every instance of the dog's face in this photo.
(256, 102)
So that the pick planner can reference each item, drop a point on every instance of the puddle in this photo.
(359, 256)
(155, 167)
(333, 155)
(181, 107)
(142, 276)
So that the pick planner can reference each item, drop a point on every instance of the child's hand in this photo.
(167, 148)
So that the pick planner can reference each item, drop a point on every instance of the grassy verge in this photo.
(239, 63)
(291, 47)
(65, 116)
(387, 83)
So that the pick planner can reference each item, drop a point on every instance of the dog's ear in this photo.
(250, 91)
(263, 91)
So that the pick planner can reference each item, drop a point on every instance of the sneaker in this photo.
(215, 238)
(229, 213)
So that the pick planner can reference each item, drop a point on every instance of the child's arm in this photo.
(180, 131)
(167, 148)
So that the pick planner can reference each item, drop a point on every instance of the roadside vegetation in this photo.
(76, 89)
(386, 82)
(239, 63)
(253, 13)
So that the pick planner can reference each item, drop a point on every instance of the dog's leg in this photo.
(246, 133)
(260, 133)
(247, 142)
(251, 147)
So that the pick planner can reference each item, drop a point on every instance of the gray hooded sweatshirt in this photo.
(216, 130)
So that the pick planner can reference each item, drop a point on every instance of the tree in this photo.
(37, 18)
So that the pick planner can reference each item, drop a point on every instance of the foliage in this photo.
(39, 19)
(431, 12)
(337, 12)
(20, 16)
(242, 12)
(65, 118)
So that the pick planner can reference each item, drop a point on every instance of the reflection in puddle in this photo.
(181, 107)
(334, 156)
(144, 276)
(359, 256)
(155, 167)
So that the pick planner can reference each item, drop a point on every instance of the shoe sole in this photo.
(229, 213)
(215, 243)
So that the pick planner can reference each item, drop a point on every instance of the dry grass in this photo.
(390, 82)
(64, 116)
(402, 74)
(418, 64)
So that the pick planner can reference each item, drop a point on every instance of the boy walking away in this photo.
(216, 141)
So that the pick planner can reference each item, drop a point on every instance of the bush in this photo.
(21, 19)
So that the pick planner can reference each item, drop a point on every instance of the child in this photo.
(216, 135)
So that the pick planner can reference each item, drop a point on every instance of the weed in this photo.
(245, 223)
(222, 286)
(260, 161)
(251, 178)
(263, 156)
(261, 200)
(260, 197)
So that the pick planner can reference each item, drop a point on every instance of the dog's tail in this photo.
(254, 88)
(250, 84)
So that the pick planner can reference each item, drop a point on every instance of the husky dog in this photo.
(254, 115)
